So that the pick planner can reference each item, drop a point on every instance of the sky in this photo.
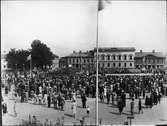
(72, 25)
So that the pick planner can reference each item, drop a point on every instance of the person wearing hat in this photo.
(132, 106)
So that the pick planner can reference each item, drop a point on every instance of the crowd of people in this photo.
(52, 88)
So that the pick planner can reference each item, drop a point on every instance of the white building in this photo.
(115, 57)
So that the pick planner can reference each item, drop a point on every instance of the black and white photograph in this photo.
(83, 62)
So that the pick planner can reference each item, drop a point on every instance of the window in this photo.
(77, 60)
(130, 64)
(113, 64)
(102, 57)
(113, 57)
(84, 61)
(119, 57)
(88, 60)
(125, 57)
(108, 64)
(119, 64)
(130, 57)
(108, 57)
(73, 60)
(124, 64)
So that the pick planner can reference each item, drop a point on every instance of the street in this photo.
(108, 113)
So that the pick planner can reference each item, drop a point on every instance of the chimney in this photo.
(153, 51)
(140, 51)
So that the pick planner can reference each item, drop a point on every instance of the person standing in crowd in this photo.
(132, 106)
(55, 101)
(151, 101)
(83, 101)
(49, 100)
(140, 106)
(105, 92)
(108, 96)
(4, 108)
(155, 98)
(159, 98)
(147, 101)
(143, 94)
(123, 97)
(113, 95)
(120, 105)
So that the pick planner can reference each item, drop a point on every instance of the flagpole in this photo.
(31, 67)
(30, 74)
(97, 50)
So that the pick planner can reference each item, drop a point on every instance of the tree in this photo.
(17, 59)
(41, 54)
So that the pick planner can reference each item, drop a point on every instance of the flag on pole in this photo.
(101, 4)
(29, 57)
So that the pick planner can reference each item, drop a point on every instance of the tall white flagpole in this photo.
(30, 74)
(31, 67)
(97, 50)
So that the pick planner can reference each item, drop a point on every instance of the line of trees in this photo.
(41, 56)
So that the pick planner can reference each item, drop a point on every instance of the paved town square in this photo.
(107, 113)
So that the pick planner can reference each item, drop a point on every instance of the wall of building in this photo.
(115, 59)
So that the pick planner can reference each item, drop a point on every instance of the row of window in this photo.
(102, 65)
(114, 57)
(78, 60)
(149, 66)
(116, 65)
(150, 61)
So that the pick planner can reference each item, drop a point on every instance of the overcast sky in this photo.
(71, 25)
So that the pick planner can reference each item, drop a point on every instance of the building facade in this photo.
(82, 61)
(115, 57)
(149, 60)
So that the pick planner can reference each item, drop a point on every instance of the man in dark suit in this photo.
(83, 101)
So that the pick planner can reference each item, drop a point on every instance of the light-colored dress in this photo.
(74, 107)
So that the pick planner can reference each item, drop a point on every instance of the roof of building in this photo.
(117, 49)
(156, 54)
(55, 56)
(80, 54)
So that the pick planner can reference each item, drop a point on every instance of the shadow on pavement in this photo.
(126, 113)
(69, 115)
(113, 106)
(123, 113)
(79, 107)
(163, 119)
(145, 107)
(133, 112)
(115, 113)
